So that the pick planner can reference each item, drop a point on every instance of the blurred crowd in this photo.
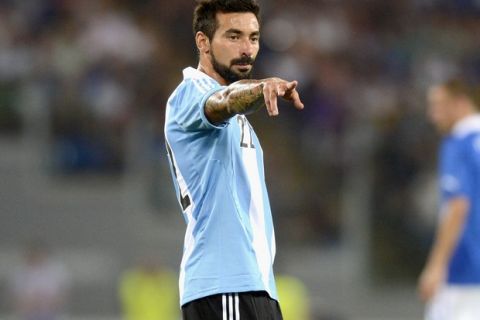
(87, 73)
(40, 287)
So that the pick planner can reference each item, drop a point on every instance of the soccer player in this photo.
(450, 282)
(217, 166)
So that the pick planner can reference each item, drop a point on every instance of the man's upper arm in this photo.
(455, 180)
(189, 103)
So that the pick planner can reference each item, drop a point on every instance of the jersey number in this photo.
(246, 140)
(184, 199)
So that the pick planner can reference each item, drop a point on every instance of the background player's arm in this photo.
(446, 239)
(247, 96)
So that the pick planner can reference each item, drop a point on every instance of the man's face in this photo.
(235, 45)
(441, 108)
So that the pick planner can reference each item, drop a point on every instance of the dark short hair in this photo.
(205, 14)
(459, 87)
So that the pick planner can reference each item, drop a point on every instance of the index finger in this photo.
(297, 103)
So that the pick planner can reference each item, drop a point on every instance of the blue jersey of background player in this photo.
(452, 273)
(217, 166)
(460, 178)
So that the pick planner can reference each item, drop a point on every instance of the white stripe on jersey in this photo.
(273, 246)
(202, 85)
(256, 212)
(208, 83)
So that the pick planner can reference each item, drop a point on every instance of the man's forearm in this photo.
(241, 97)
(449, 232)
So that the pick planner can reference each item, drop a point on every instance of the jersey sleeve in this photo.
(189, 101)
(454, 180)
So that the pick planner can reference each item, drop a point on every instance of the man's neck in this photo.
(207, 68)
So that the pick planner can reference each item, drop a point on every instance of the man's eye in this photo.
(233, 37)
(255, 39)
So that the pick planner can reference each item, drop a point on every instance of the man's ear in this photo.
(203, 43)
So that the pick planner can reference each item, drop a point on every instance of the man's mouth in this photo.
(243, 62)
(243, 67)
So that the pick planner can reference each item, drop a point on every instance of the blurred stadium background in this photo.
(83, 85)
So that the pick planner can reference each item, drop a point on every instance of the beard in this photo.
(228, 73)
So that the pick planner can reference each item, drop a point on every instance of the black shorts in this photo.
(255, 305)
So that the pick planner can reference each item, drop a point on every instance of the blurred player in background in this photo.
(294, 297)
(450, 282)
(217, 165)
(148, 291)
(40, 285)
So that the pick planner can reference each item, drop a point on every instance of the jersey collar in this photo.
(192, 73)
(467, 125)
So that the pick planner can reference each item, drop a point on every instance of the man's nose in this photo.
(247, 48)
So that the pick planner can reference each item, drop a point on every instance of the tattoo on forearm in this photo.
(246, 99)
(242, 97)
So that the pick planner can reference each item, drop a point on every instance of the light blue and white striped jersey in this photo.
(219, 180)
(460, 177)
